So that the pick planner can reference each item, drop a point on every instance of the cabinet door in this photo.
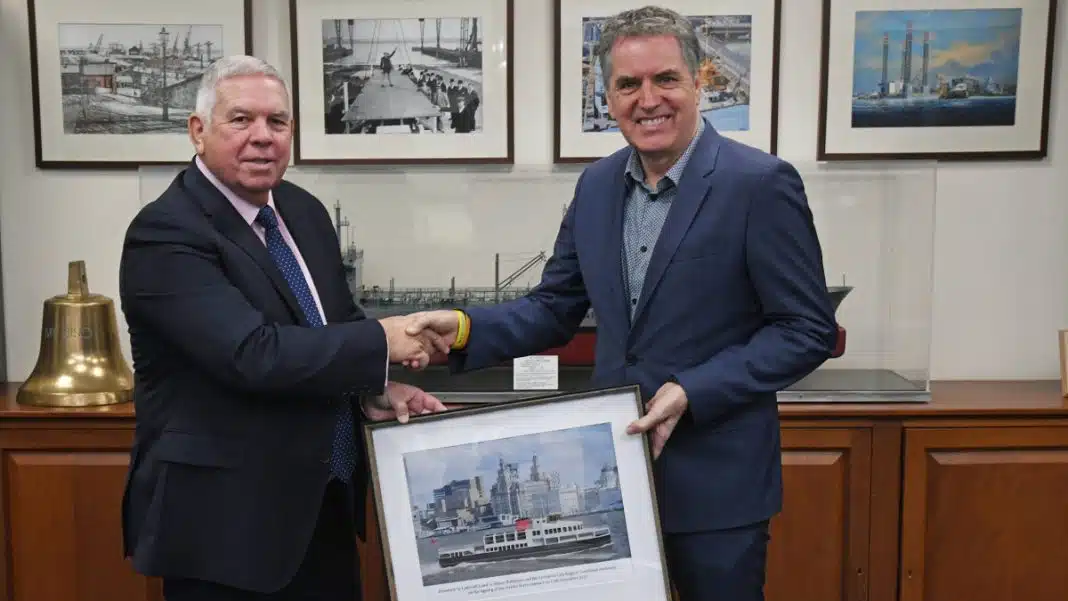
(64, 528)
(819, 543)
(985, 514)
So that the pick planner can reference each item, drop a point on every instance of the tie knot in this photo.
(267, 218)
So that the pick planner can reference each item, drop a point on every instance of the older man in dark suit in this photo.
(254, 366)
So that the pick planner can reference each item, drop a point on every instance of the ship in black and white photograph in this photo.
(133, 79)
(402, 75)
(517, 505)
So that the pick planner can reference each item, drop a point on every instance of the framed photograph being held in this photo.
(114, 82)
(543, 498)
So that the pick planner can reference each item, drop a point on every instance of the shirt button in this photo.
(643, 248)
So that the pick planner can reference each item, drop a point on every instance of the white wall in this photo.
(1000, 276)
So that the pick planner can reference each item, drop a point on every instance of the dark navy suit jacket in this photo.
(235, 396)
(734, 306)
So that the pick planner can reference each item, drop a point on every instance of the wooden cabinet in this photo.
(63, 475)
(960, 498)
(985, 512)
(819, 548)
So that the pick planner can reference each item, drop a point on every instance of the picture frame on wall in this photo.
(944, 80)
(114, 82)
(545, 498)
(739, 72)
(369, 75)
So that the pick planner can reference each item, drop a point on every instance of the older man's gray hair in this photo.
(647, 21)
(225, 68)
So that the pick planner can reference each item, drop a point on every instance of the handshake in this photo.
(416, 339)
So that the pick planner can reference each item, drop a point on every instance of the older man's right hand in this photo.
(413, 351)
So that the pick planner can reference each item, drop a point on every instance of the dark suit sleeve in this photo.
(173, 285)
(785, 265)
(545, 318)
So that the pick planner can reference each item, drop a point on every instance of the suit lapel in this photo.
(613, 261)
(230, 224)
(694, 187)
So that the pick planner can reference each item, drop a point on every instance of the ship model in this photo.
(377, 302)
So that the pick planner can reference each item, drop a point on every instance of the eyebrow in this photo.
(283, 114)
(632, 78)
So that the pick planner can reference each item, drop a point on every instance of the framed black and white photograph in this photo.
(114, 82)
(420, 81)
(944, 80)
(541, 498)
(738, 73)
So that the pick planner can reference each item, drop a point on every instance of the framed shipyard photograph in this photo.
(368, 75)
(114, 81)
(545, 498)
(738, 73)
(943, 80)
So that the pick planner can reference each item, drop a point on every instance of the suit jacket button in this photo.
(631, 359)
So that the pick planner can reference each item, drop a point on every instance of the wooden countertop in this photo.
(971, 398)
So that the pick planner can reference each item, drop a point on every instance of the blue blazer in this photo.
(734, 307)
(236, 398)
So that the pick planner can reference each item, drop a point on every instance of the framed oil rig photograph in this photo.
(545, 497)
(737, 71)
(114, 82)
(409, 82)
(950, 80)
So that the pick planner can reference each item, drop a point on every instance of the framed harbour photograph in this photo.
(540, 498)
(945, 80)
(114, 82)
(738, 72)
(369, 75)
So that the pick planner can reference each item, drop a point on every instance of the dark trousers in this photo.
(329, 571)
(720, 565)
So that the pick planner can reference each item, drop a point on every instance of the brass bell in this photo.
(80, 363)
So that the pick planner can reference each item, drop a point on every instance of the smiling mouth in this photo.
(652, 121)
(260, 161)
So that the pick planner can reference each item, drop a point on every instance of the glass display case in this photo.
(416, 238)
(876, 227)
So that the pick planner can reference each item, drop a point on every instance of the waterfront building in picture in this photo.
(402, 75)
(516, 505)
(133, 79)
(726, 43)
(936, 68)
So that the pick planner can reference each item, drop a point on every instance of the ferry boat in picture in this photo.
(529, 538)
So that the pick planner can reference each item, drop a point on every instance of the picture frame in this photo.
(1062, 339)
(101, 76)
(981, 72)
(448, 72)
(741, 66)
(540, 498)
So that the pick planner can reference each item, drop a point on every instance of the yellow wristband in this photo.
(463, 330)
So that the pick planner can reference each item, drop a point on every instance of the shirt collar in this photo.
(635, 173)
(246, 209)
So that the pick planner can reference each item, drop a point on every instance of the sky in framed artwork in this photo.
(936, 68)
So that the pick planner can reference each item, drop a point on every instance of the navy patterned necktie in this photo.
(343, 459)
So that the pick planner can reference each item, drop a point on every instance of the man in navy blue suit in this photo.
(253, 366)
(700, 259)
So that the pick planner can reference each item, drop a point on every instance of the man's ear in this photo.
(196, 132)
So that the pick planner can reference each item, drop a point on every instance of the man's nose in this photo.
(259, 132)
(648, 95)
